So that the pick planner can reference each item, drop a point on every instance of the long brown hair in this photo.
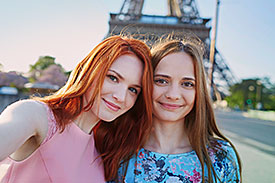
(200, 123)
(121, 138)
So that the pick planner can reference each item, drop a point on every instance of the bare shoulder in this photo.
(26, 105)
(28, 112)
(19, 123)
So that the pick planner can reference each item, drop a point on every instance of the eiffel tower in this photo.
(183, 16)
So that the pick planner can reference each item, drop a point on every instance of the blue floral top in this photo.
(155, 167)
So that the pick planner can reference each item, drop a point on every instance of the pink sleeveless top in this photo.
(67, 157)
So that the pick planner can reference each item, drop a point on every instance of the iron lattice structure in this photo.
(183, 16)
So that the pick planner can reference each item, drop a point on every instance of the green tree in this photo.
(40, 65)
(252, 93)
(268, 97)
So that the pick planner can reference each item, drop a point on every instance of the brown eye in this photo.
(161, 81)
(188, 84)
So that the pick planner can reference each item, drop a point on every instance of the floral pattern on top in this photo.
(155, 167)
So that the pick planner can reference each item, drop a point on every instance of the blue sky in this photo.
(69, 29)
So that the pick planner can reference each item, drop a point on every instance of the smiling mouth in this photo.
(170, 106)
(111, 105)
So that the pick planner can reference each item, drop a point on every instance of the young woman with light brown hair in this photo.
(185, 144)
(51, 139)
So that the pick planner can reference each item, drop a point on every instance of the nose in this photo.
(119, 94)
(173, 93)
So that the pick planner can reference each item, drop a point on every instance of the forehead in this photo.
(179, 64)
(126, 60)
(129, 66)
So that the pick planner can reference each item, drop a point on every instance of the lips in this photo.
(111, 105)
(170, 106)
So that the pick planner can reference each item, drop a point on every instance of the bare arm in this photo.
(18, 123)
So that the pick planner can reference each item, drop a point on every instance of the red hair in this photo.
(118, 140)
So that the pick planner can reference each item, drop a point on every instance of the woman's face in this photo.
(174, 87)
(120, 89)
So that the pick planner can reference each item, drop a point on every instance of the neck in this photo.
(86, 121)
(168, 138)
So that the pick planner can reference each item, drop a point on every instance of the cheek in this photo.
(88, 94)
(190, 96)
(157, 92)
(96, 106)
(130, 101)
(106, 86)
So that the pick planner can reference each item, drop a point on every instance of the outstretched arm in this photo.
(18, 123)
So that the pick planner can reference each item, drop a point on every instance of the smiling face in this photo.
(120, 88)
(174, 87)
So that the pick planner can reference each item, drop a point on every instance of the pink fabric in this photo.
(69, 157)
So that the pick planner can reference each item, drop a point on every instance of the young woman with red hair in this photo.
(185, 144)
(51, 139)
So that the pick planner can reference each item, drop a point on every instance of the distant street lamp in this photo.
(249, 102)
(251, 88)
(213, 44)
(258, 94)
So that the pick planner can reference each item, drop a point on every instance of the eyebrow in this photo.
(189, 78)
(166, 76)
(122, 78)
(161, 75)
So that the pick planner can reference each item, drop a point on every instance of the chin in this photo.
(108, 118)
(170, 118)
